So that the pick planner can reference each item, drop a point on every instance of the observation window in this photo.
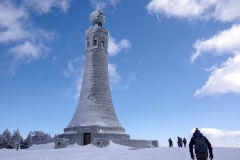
(103, 44)
(88, 43)
(95, 41)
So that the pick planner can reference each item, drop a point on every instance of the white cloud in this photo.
(114, 77)
(221, 138)
(29, 51)
(225, 79)
(115, 47)
(213, 133)
(12, 20)
(225, 42)
(74, 70)
(227, 10)
(101, 4)
(221, 10)
(176, 8)
(78, 85)
(131, 78)
(114, 2)
(27, 41)
(54, 59)
(73, 67)
(98, 4)
(45, 6)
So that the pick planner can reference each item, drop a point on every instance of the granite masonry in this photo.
(95, 120)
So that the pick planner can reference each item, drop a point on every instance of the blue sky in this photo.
(173, 65)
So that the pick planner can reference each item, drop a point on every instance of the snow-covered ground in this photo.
(112, 152)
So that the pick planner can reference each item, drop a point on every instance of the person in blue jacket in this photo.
(201, 146)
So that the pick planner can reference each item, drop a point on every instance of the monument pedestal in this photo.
(95, 134)
(101, 136)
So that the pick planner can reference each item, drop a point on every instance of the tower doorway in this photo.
(86, 138)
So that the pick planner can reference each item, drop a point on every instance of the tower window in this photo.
(95, 41)
(88, 43)
(103, 44)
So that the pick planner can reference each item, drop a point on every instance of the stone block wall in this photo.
(61, 143)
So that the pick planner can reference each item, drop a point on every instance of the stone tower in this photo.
(95, 117)
(95, 105)
(95, 120)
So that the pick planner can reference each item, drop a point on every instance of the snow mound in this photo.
(42, 146)
(75, 145)
(113, 145)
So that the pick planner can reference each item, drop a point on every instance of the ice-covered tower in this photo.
(95, 108)
(95, 105)
(95, 120)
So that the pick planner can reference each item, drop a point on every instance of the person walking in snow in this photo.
(184, 142)
(17, 146)
(201, 146)
(170, 142)
(179, 142)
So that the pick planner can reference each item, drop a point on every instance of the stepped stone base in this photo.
(99, 136)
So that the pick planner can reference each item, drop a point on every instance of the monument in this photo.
(95, 120)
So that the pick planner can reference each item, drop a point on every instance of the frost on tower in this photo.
(95, 120)
(95, 105)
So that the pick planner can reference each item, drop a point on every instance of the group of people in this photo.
(180, 142)
(201, 145)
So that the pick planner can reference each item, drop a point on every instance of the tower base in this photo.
(99, 136)
(83, 135)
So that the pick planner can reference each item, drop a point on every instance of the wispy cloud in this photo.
(45, 6)
(28, 51)
(72, 67)
(12, 20)
(115, 47)
(131, 78)
(223, 79)
(26, 41)
(100, 4)
(226, 77)
(74, 71)
(221, 138)
(220, 10)
(114, 76)
(225, 42)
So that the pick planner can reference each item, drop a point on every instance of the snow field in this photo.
(112, 152)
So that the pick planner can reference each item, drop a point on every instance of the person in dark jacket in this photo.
(170, 142)
(184, 142)
(179, 142)
(201, 153)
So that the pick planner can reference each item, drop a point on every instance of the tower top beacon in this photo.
(97, 17)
